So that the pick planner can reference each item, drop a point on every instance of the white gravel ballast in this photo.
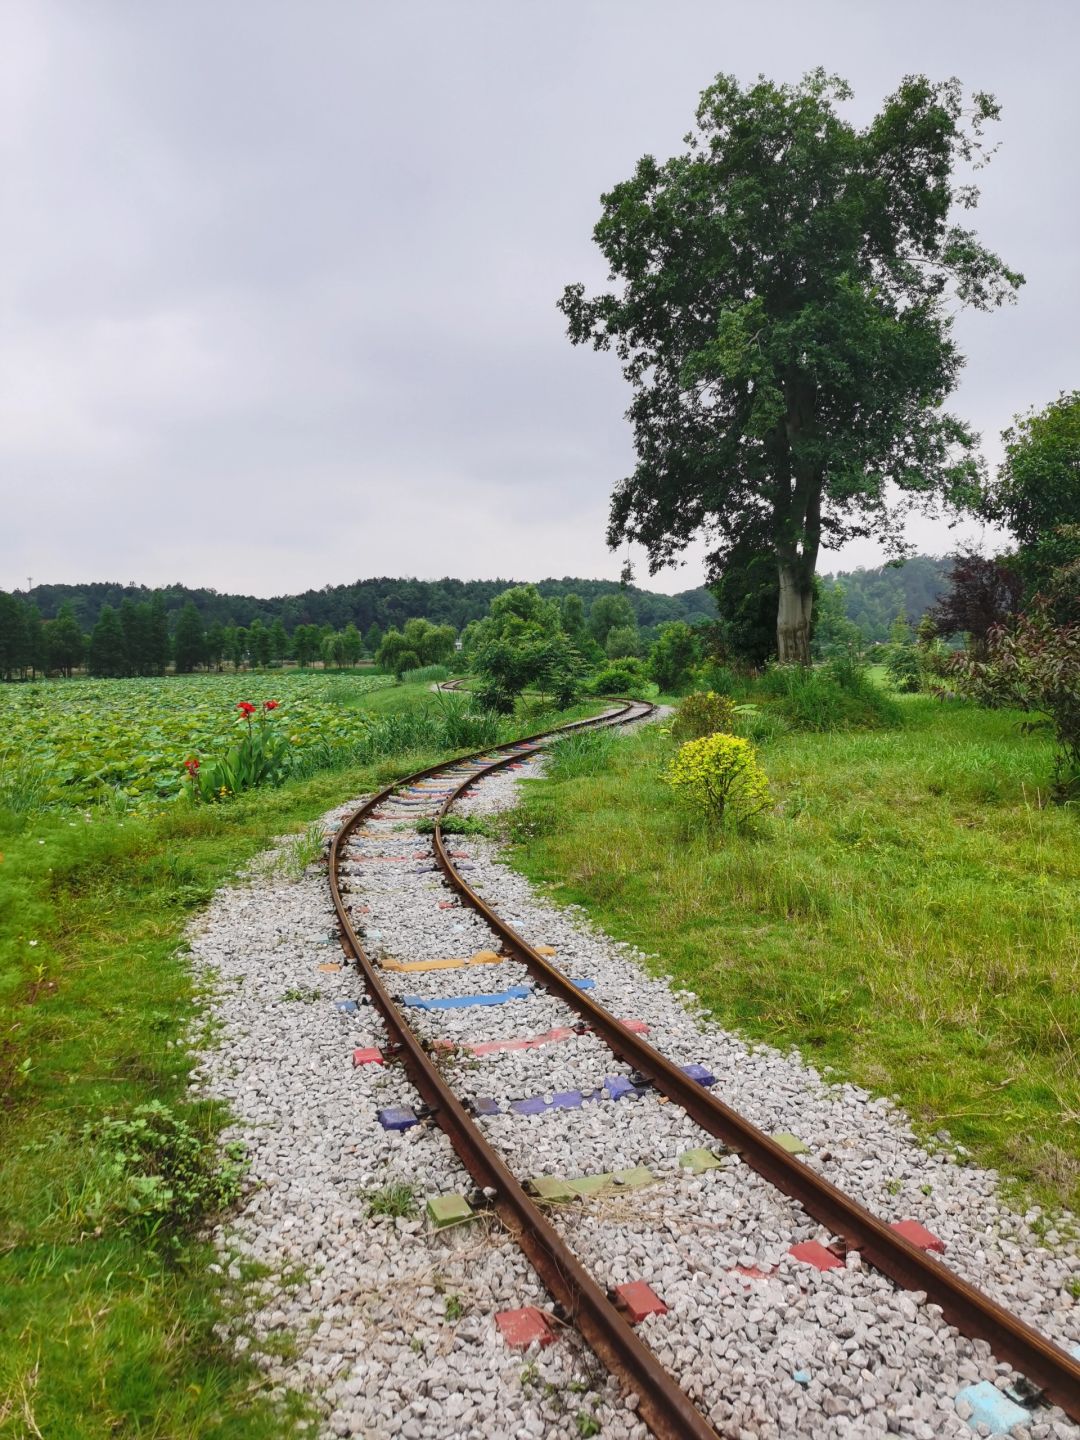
(392, 1321)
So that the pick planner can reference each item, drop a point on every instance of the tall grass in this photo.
(838, 695)
(425, 675)
(907, 914)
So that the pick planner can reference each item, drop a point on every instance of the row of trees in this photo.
(384, 603)
(135, 639)
(32, 646)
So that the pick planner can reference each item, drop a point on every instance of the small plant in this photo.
(719, 776)
(304, 850)
(162, 1176)
(262, 756)
(703, 713)
(397, 1200)
(305, 997)
(456, 825)
(587, 1424)
(454, 1309)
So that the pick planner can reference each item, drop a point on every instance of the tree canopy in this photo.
(1037, 489)
(782, 318)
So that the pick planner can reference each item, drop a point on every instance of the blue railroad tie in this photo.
(616, 1087)
(398, 1117)
(699, 1073)
(462, 1002)
(584, 984)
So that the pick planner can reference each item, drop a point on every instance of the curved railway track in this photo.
(580, 1300)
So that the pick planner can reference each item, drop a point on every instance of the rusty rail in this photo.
(663, 1405)
(1055, 1372)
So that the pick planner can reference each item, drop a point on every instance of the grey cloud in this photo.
(279, 281)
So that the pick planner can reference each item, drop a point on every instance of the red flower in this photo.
(191, 766)
(271, 704)
(247, 708)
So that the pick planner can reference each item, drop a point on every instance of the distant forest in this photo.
(872, 598)
(384, 602)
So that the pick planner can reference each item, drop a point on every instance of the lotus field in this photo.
(130, 743)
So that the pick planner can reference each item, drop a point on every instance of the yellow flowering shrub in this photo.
(703, 713)
(720, 776)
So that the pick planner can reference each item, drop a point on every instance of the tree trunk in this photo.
(793, 616)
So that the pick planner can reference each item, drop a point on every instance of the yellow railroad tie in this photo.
(482, 957)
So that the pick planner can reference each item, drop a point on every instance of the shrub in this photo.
(836, 696)
(624, 677)
(703, 713)
(1034, 664)
(903, 665)
(719, 776)
(161, 1176)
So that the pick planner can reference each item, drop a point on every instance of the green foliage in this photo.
(521, 645)
(610, 612)
(746, 587)
(107, 652)
(703, 713)
(189, 641)
(581, 752)
(1037, 489)
(874, 597)
(838, 695)
(374, 606)
(159, 1174)
(673, 655)
(420, 643)
(398, 1200)
(622, 642)
(621, 677)
(833, 632)
(719, 776)
(425, 675)
(65, 643)
(82, 741)
(783, 319)
(1034, 664)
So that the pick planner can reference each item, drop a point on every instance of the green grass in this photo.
(907, 914)
(106, 1330)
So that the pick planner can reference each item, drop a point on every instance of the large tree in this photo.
(783, 317)
(1037, 490)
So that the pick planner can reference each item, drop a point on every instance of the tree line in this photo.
(385, 602)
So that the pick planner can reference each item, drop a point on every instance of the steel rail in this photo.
(975, 1314)
(663, 1405)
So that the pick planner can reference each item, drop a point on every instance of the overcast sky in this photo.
(278, 281)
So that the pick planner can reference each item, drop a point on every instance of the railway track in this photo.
(1052, 1374)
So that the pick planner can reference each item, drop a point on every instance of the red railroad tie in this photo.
(522, 1328)
(812, 1252)
(639, 1300)
(492, 1047)
(367, 1056)
(919, 1235)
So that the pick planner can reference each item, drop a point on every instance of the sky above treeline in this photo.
(278, 282)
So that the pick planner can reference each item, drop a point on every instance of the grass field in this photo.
(907, 913)
(106, 1330)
